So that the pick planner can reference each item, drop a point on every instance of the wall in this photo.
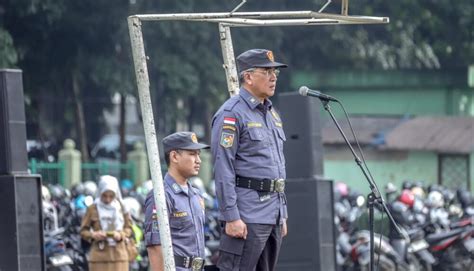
(387, 166)
(378, 93)
(413, 92)
(392, 101)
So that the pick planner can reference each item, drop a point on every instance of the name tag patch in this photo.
(253, 124)
(180, 214)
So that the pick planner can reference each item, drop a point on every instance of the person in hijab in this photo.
(106, 226)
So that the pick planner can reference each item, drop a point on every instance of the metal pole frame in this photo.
(225, 21)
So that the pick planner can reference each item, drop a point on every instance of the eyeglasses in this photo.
(266, 71)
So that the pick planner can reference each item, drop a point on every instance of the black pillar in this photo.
(21, 229)
(303, 147)
(310, 244)
(13, 156)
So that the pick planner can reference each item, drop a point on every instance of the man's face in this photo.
(188, 162)
(262, 82)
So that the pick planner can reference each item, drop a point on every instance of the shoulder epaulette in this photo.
(231, 103)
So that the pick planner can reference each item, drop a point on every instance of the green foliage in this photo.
(8, 55)
(428, 34)
(58, 39)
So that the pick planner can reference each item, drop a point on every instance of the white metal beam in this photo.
(229, 59)
(262, 16)
(143, 83)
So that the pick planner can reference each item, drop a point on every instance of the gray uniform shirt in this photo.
(247, 140)
(186, 217)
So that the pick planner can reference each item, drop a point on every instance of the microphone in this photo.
(305, 91)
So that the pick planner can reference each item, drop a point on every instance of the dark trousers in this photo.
(258, 252)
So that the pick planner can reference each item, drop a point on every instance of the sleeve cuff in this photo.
(152, 239)
(231, 214)
(285, 212)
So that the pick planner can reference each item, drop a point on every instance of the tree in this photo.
(8, 53)
(71, 50)
(74, 54)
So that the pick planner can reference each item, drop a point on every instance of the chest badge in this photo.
(275, 115)
(201, 202)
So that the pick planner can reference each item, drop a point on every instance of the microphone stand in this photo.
(373, 197)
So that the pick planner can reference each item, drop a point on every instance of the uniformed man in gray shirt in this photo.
(249, 167)
(185, 206)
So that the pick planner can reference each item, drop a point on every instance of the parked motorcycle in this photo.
(57, 259)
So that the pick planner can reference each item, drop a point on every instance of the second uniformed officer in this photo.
(249, 168)
(184, 203)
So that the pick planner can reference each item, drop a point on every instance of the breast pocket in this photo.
(258, 137)
(256, 134)
(181, 222)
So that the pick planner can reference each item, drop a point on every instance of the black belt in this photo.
(195, 263)
(262, 185)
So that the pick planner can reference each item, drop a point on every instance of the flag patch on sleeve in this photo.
(229, 121)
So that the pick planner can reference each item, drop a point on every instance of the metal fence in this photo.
(51, 173)
(92, 171)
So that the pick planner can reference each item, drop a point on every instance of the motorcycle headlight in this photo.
(360, 201)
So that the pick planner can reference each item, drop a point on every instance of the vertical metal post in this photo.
(62, 166)
(370, 203)
(133, 171)
(143, 83)
(33, 166)
(345, 7)
(229, 60)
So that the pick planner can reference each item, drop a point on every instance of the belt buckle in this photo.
(280, 185)
(197, 263)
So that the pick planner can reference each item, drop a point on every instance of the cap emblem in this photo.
(270, 56)
(194, 138)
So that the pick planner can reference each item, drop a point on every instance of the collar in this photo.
(251, 101)
(175, 187)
